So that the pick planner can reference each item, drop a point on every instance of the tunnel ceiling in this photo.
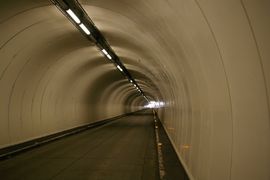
(207, 60)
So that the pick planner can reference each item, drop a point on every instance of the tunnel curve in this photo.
(208, 61)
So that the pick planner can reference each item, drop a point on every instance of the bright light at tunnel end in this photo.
(155, 104)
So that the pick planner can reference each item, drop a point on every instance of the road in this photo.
(124, 149)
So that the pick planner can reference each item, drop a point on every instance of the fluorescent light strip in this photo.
(104, 51)
(73, 16)
(85, 29)
(119, 68)
(109, 56)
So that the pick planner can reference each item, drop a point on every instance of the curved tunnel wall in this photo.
(52, 79)
(208, 60)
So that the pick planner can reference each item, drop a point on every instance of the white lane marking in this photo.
(159, 151)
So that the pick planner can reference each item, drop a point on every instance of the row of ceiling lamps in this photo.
(87, 31)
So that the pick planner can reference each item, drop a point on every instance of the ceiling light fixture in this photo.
(104, 51)
(84, 28)
(120, 69)
(78, 16)
(109, 56)
(73, 16)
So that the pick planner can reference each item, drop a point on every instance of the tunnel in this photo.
(206, 63)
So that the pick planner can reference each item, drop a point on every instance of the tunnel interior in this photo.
(208, 61)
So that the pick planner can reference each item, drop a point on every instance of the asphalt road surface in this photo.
(124, 149)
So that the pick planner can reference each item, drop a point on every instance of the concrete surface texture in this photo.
(207, 60)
